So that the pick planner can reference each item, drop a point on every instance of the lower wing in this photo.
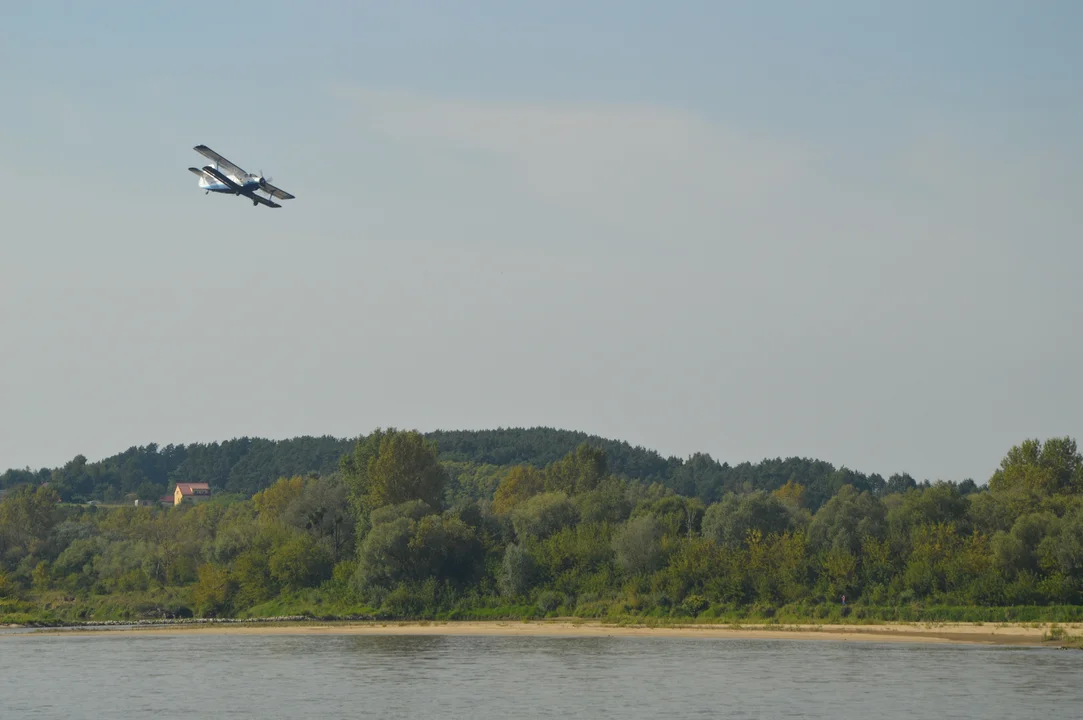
(263, 200)
(276, 192)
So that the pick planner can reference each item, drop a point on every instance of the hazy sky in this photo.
(842, 230)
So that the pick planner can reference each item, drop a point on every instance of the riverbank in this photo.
(1025, 634)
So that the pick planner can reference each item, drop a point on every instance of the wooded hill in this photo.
(395, 531)
(476, 461)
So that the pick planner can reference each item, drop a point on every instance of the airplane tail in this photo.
(200, 174)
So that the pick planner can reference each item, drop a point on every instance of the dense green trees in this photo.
(390, 468)
(28, 516)
(475, 463)
(242, 466)
(397, 528)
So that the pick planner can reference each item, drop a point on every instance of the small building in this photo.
(192, 492)
(167, 500)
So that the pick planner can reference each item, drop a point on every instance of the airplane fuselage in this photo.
(249, 183)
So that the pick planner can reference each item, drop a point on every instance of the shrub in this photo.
(549, 601)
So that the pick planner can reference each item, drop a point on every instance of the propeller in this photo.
(264, 178)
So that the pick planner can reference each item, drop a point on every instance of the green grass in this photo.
(57, 607)
(503, 612)
(311, 603)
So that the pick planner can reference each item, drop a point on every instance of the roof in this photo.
(193, 488)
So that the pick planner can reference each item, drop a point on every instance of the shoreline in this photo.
(1001, 634)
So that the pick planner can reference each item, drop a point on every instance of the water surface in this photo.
(344, 676)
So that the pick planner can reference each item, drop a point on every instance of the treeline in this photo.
(241, 466)
(475, 461)
(379, 536)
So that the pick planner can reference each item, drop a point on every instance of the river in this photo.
(342, 676)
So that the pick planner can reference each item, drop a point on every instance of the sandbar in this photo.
(1027, 634)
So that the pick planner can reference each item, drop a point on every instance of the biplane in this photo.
(224, 177)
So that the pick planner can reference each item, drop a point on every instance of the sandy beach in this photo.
(1030, 634)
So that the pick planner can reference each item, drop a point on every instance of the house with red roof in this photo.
(192, 492)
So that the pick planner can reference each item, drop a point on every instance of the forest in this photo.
(535, 523)
(474, 459)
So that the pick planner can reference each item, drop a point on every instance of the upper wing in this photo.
(222, 162)
(275, 192)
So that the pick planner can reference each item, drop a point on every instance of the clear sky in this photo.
(842, 230)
